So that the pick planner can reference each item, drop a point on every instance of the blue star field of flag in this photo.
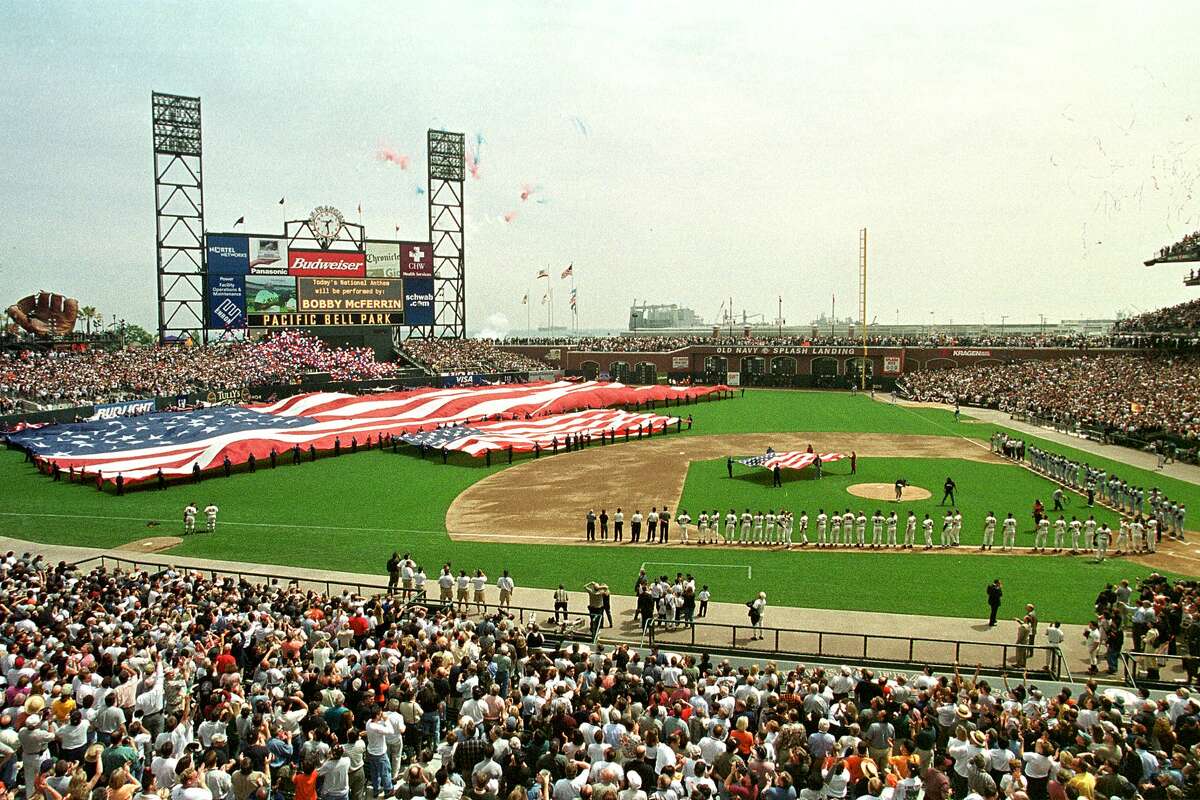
(163, 429)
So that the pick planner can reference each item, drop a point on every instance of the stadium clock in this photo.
(325, 222)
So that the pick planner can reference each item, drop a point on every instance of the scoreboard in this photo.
(272, 281)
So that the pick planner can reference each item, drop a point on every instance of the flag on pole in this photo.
(281, 201)
(570, 270)
(545, 297)
(360, 209)
(543, 274)
(525, 300)
(240, 221)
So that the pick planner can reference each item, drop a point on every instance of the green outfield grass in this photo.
(350, 513)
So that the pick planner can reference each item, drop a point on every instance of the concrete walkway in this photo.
(844, 635)
(1126, 455)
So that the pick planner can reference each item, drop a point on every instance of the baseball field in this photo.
(350, 513)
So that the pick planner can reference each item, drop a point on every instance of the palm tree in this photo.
(89, 313)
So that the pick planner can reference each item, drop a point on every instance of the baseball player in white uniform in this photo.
(1060, 530)
(189, 519)
(989, 531)
(892, 521)
(927, 529)
(803, 528)
(860, 529)
(835, 530)
(910, 530)
(683, 520)
(822, 532)
(210, 517)
(1039, 537)
(1010, 532)
(747, 519)
(877, 530)
(731, 526)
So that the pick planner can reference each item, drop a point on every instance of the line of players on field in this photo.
(850, 528)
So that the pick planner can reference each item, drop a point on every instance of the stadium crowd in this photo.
(1133, 394)
(1184, 318)
(1188, 245)
(63, 378)
(1160, 616)
(181, 687)
(666, 343)
(458, 356)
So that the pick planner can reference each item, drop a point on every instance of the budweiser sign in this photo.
(326, 264)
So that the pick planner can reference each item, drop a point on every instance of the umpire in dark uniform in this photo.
(948, 491)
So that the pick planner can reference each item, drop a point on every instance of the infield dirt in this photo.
(527, 500)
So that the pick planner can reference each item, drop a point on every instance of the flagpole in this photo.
(528, 316)
(574, 301)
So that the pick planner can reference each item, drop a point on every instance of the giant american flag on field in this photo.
(176, 442)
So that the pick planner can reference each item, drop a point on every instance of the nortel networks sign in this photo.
(326, 264)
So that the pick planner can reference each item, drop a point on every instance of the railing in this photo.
(866, 647)
(241, 574)
(1170, 671)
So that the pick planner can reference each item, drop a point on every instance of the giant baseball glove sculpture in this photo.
(45, 314)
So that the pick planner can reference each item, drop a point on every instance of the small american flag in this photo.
(795, 459)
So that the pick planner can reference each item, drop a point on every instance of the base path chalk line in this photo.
(749, 571)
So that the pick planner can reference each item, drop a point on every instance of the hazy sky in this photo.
(1017, 159)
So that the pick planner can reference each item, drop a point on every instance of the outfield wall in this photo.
(783, 365)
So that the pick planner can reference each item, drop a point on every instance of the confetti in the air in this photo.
(473, 156)
(508, 216)
(391, 156)
(527, 191)
(580, 126)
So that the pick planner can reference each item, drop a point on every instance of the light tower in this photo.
(862, 301)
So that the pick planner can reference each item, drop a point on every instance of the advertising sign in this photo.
(383, 260)
(268, 256)
(330, 319)
(680, 362)
(891, 364)
(326, 264)
(124, 409)
(228, 255)
(269, 294)
(418, 301)
(733, 378)
(226, 301)
(226, 397)
(451, 381)
(349, 294)
(416, 260)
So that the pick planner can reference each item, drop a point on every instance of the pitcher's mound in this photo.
(887, 491)
(152, 544)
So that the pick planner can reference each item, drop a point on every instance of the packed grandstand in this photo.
(1126, 393)
(52, 378)
(176, 684)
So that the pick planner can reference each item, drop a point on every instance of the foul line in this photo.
(224, 523)
(749, 572)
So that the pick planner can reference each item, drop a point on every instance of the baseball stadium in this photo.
(328, 525)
